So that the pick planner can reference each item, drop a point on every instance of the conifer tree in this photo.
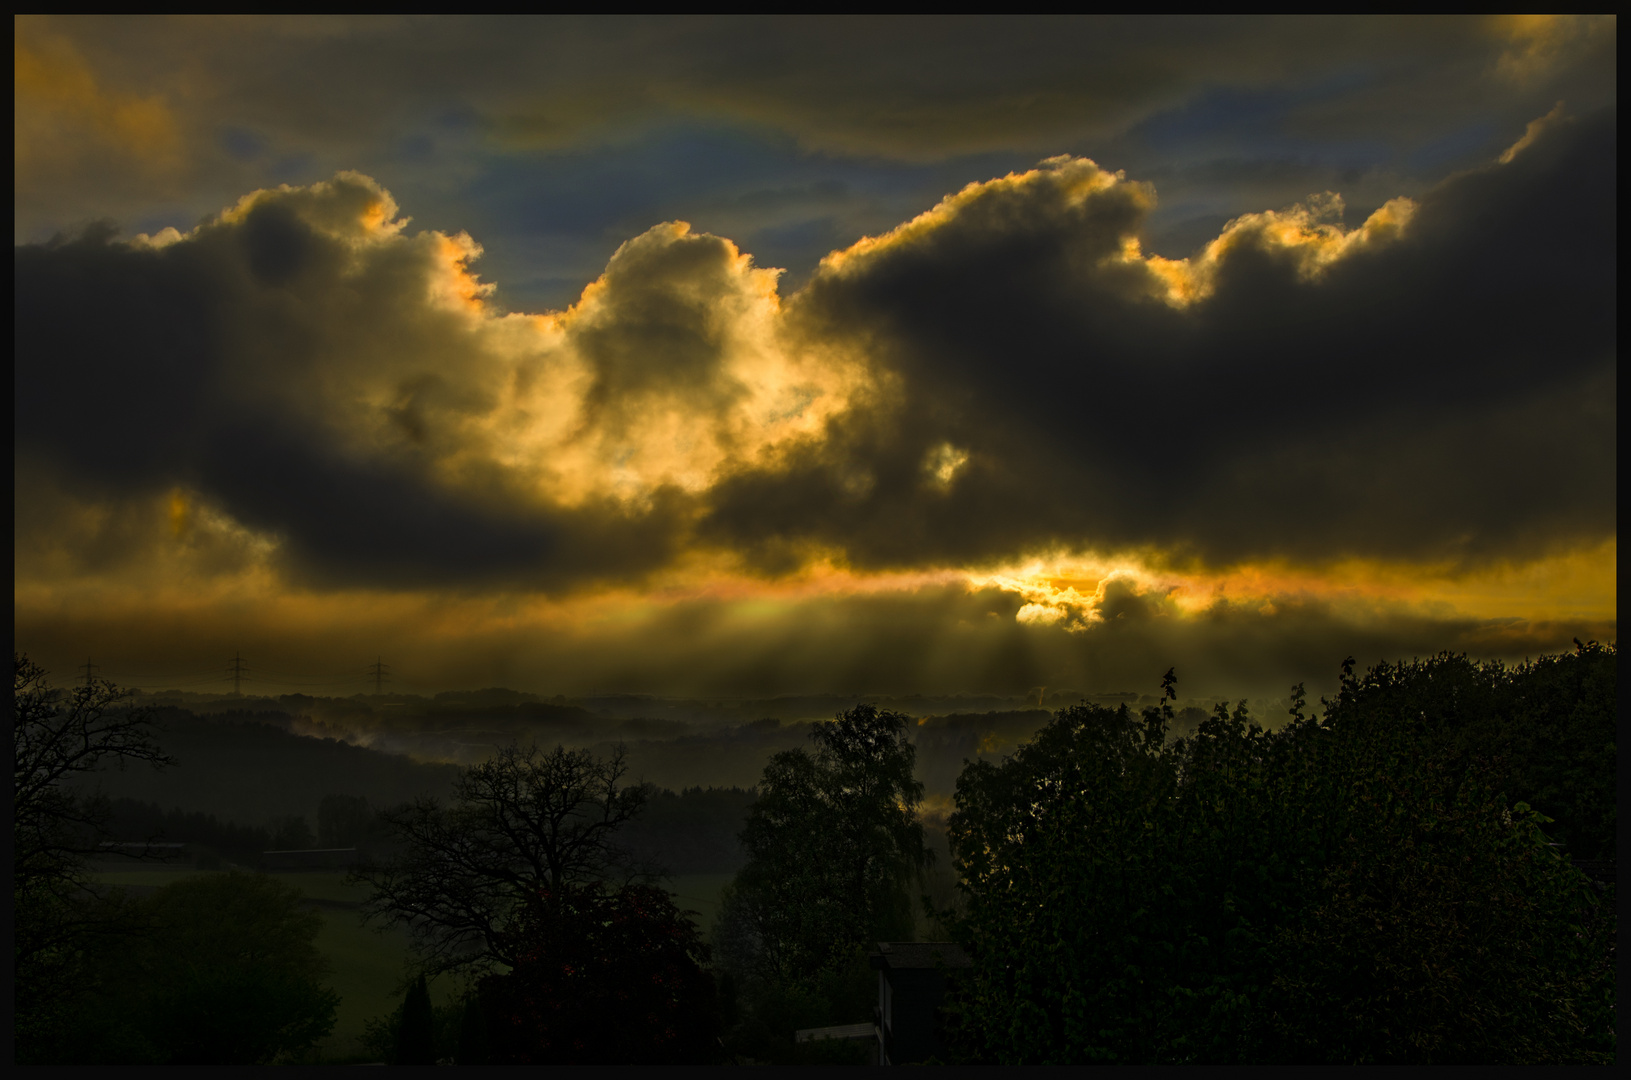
(416, 1037)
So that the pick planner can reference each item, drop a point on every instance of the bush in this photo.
(225, 972)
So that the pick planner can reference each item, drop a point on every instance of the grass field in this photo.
(369, 966)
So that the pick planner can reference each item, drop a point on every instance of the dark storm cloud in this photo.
(239, 363)
(1443, 390)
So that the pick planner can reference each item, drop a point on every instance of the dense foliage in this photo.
(1366, 887)
(1391, 881)
(602, 977)
(834, 847)
(833, 843)
(225, 970)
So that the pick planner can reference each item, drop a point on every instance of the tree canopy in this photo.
(226, 971)
(1361, 888)
(832, 845)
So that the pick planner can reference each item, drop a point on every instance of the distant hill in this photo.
(249, 768)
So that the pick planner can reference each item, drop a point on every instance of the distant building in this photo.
(310, 859)
(911, 985)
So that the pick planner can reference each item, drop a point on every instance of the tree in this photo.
(58, 737)
(1060, 850)
(523, 820)
(416, 1028)
(226, 972)
(833, 844)
(1351, 889)
(602, 977)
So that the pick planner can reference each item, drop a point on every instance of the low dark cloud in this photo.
(291, 369)
(1442, 391)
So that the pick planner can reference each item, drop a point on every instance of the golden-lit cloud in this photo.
(999, 443)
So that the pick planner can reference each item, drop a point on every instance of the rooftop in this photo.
(920, 954)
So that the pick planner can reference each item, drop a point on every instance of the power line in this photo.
(90, 670)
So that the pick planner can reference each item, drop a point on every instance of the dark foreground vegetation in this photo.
(1382, 884)
(1393, 876)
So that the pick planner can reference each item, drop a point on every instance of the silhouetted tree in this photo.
(474, 1047)
(525, 819)
(59, 736)
(602, 978)
(416, 1030)
(832, 845)
(1350, 889)
(833, 848)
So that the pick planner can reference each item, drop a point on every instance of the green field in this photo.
(369, 966)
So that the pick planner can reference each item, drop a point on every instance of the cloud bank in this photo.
(307, 393)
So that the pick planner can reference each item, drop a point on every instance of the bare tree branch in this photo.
(523, 819)
(58, 736)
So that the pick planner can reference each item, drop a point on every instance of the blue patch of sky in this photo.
(1230, 122)
(295, 169)
(242, 144)
(1230, 151)
(1473, 144)
(786, 206)
(414, 149)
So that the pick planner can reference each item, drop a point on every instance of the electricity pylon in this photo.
(379, 672)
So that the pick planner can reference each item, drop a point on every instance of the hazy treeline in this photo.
(297, 748)
(130, 821)
(694, 831)
(249, 768)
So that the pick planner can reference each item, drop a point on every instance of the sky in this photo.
(757, 356)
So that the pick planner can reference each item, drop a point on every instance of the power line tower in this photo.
(237, 671)
(90, 670)
(379, 672)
